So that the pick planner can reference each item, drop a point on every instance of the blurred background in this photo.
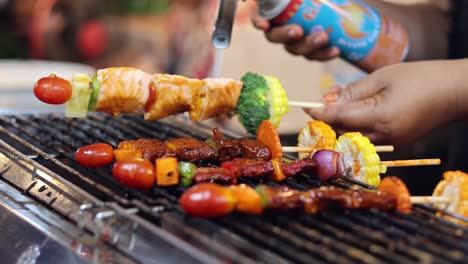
(148, 34)
(154, 35)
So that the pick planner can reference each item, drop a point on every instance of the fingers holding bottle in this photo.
(313, 47)
(260, 22)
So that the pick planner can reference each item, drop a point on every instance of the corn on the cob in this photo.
(316, 135)
(278, 100)
(360, 156)
(455, 186)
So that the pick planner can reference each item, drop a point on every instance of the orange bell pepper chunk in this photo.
(277, 175)
(247, 199)
(166, 172)
(395, 186)
(127, 154)
(268, 135)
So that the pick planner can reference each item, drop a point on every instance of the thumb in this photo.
(360, 90)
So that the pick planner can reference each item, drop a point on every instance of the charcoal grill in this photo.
(87, 213)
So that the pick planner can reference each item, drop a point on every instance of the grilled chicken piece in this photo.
(205, 174)
(218, 96)
(151, 149)
(172, 94)
(254, 149)
(123, 90)
(192, 150)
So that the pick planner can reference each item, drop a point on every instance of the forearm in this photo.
(427, 26)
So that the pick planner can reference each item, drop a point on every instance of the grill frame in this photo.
(329, 237)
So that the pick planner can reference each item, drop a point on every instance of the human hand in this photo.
(398, 103)
(312, 47)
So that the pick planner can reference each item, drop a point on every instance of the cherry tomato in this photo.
(207, 200)
(53, 90)
(95, 155)
(134, 173)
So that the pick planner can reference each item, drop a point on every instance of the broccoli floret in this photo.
(253, 106)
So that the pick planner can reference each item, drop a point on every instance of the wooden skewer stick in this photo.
(430, 199)
(415, 162)
(292, 149)
(296, 149)
(384, 148)
(305, 104)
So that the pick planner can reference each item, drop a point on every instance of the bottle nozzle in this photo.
(221, 37)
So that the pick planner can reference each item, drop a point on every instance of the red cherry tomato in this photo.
(95, 155)
(134, 173)
(53, 90)
(208, 200)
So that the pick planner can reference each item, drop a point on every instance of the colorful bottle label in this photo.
(353, 27)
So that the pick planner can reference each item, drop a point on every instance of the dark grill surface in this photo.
(343, 237)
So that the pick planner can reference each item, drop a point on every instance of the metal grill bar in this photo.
(344, 237)
(221, 241)
(283, 241)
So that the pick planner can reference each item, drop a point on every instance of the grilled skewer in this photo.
(358, 158)
(318, 135)
(352, 154)
(392, 195)
(128, 90)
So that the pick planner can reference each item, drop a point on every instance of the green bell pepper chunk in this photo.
(186, 171)
(96, 86)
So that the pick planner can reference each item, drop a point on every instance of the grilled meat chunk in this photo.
(189, 149)
(316, 200)
(218, 96)
(248, 167)
(123, 90)
(173, 94)
(151, 149)
(281, 198)
(298, 166)
(254, 149)
(228, 149)
(322, 198)
(204, 174)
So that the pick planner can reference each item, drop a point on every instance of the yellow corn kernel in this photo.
(455, 186)
(316, 135)
(278, 100)
(360, 155)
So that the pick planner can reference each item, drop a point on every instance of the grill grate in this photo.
(344, 237)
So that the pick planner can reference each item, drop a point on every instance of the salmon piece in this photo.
(123, 90)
